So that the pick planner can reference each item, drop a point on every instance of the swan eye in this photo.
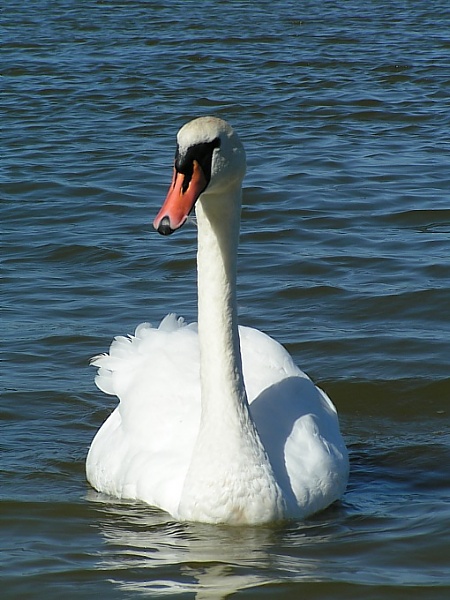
(202, 153)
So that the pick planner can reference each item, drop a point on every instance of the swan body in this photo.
(215, 422)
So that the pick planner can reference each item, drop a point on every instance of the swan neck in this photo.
(228, 453)
(220, 355)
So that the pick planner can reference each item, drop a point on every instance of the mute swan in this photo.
(214, 424)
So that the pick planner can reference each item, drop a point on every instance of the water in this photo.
(344, 111)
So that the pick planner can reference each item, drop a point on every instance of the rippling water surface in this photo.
(344, 110)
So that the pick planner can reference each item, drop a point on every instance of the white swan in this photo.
(218, 425)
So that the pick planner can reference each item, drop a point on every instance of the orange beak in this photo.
(179, 203)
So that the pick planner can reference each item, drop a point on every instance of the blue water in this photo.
(344, 112)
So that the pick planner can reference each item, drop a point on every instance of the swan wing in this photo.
(143, 449)
(297, 423)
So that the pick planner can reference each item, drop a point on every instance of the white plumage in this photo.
(218, 426)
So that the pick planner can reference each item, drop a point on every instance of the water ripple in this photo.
(343, 258)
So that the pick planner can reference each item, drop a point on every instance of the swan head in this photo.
(209, 160)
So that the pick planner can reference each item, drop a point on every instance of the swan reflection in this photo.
(149, 552)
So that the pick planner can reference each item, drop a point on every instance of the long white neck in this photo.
(223, 391)
(230, 478)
